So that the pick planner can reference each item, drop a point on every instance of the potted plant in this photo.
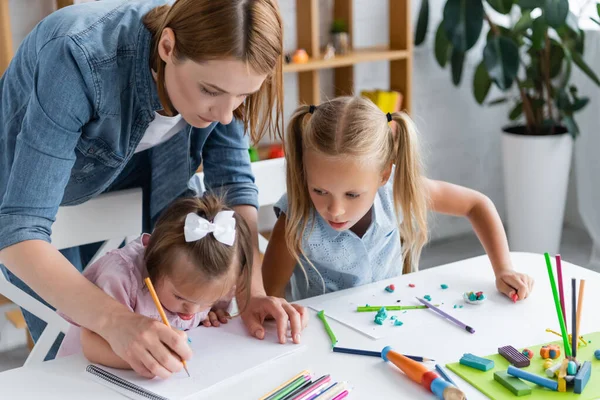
(339, 36)
(529, 60)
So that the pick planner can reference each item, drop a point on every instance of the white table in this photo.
(498, 322)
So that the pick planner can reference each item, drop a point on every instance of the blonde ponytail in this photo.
(409, 191)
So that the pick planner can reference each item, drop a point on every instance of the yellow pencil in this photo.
(161, 311)
(305, 372)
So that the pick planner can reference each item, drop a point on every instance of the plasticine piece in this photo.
(528, 353)
(515, 385)
(571, 368)
(444, 286)
(582, 377)
(551, 351)
(455, 306)
(398, 301)
(474, 297)
(480, 363)
(533, 378)
(411, 285)
(548, 364)
(393, 317)
(562, 385)
(515, 298)
(398, 323)
(514, 357)
(427, 297)
(597, 354)
(570, 379)
(381, 316)
(390, 288)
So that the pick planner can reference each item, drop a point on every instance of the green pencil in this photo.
(390, 308)
(559, 313)
(293, 386)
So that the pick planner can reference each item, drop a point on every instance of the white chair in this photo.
(270, 179)
(112, 218)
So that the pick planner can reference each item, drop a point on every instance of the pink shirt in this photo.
(121, 273)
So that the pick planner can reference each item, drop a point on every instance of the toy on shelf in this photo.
(253, 152)
(300, 56)
(276, 151)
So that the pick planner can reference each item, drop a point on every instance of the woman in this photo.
(109, 95)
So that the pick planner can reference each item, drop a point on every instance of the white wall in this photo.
(461, 139)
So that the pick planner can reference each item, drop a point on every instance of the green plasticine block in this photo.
(482, 364)
(515, 385)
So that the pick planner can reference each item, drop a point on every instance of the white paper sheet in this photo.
(219, 354)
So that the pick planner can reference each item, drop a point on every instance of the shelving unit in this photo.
(399, 53)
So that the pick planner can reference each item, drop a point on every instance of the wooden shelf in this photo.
(357, 56)
(398, 54)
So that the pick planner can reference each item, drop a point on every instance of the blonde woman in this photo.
(357, 201)
(116, 94)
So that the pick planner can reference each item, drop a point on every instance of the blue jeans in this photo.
(137, 173)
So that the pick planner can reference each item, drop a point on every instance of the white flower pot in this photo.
(536, 176)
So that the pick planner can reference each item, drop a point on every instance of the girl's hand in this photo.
(511, 282)
(216, 318)
(150, 347)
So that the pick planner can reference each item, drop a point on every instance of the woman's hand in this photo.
(150, 347)
(261, 307)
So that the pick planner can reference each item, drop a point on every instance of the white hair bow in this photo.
(222, 227)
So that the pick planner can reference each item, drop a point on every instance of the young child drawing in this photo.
(197, 254)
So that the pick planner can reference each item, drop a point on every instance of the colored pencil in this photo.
(377, 354)
(389, 308)
(289, 388)
(341, 395)
(561, 291)
(561, 320)
(580, 306)
(447, 316)
(305, 372)
(299, 389)
(444, 375)
(332, 392)
(321, 315)
(323, 391)
(574, 317)
(163, 316)
(313, 388)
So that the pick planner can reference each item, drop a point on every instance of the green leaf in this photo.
(598, 8)
(523, 23)
(567, 71)
(481, 83)
(422, 23)
(595, 20)
(442, 46)
(556, 11)
(556, 59)
(571, 125)
(539, 29)
(516, 112)
(497, 101)
(580, 103)
(578, 60)
(531, 4)
(456, 63)
(502, 6)
(501, 57)
(463, 20)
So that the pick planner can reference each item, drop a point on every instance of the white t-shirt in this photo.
(160, 130)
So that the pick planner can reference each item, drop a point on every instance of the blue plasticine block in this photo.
(582, 377)
(482, 364)
(533, 378)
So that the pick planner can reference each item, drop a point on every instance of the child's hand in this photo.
(216, 318)
(511, 282)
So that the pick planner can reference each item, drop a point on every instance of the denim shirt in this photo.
(74, 104)
(341, 258)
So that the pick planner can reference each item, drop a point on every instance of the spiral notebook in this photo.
(220, 354)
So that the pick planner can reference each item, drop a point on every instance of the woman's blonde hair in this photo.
(212, 258)
(247, 30)
(353, 127)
